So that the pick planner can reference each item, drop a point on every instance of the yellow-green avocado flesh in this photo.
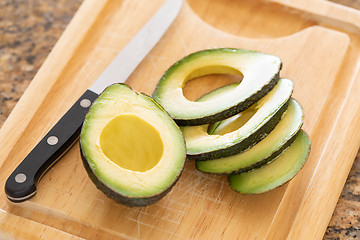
(267, 149)
(275, 173)
(263, 117)
(131, 148)
(260, 73)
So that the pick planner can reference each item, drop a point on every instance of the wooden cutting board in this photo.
(319, 45)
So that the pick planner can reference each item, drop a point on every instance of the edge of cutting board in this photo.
(317, 207)
(15, 227)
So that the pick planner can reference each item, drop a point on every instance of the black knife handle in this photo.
(21, 185)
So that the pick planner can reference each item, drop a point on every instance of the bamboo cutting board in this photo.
(319, 45)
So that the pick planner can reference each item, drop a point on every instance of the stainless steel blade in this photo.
(134, 52)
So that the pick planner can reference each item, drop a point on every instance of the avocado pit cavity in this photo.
(209, 78)
(131, 143)
(233, 123)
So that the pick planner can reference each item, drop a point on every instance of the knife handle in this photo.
(21, 184)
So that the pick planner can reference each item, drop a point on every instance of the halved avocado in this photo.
(131, 148)
(261, 119)
(266, 150)
(275, 173)
(260, 73)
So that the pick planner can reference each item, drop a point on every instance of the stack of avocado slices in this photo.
(250, 131)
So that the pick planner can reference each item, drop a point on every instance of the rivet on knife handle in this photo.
(21, 184)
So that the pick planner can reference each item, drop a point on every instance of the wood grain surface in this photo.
(321, 57)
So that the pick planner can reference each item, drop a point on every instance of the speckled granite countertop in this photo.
(29, 30)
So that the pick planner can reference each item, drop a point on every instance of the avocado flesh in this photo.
(260, 74)
(129, 137)
(267, 149)
(233, 123)
(131, 148)
(269, 110)
(275, 173)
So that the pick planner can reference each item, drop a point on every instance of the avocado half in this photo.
(260, 73)
(265, 151)
(131, 148)
(253, 125)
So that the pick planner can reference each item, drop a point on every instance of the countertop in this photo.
(29, 30)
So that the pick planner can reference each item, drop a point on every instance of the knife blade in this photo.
(21, 184)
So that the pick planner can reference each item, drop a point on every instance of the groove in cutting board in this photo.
(250, 18)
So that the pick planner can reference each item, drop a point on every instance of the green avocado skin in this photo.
(117, 197)
(256, 137)
(233, 110)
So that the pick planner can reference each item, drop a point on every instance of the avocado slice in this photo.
(275, 173)
(260, 73)
(131, 148)
(266, 150)
(264, 116)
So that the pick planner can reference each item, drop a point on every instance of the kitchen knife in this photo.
(21, 184)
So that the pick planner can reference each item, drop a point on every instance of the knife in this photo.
(21, 184)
